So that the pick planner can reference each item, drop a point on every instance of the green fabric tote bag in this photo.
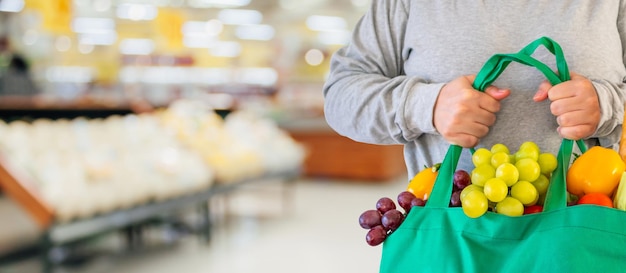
(437, 238)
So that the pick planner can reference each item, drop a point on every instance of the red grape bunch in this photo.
(386, 218)
(461, 180)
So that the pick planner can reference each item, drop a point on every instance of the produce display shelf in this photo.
(62, 226)
(56, 234)
(61, 233)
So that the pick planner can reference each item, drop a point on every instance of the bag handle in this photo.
(556, 196)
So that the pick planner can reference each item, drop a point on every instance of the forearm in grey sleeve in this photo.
(367, 96)
(612, 96)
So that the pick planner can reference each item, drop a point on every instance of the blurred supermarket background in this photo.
(180, 135)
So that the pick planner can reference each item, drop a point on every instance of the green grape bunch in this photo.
(505, 182)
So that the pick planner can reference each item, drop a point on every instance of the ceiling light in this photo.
(199, 41)
(107, 38)
(75, 74)
(102, 5)
(214, 27)
(263, 76)
(93, 25)
(11, 5)
(137, 12)
(226, 49)
(326, 23)
(240, 16)
(334, 37)
(255, 32)
(137, 46)
(218, 3)
(210, 28)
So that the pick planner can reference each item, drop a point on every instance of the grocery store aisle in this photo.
(317, 231)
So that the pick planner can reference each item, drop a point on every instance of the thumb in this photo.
(497, 93)
(542, 92)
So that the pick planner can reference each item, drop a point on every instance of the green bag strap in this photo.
(497, 63)
(557, 194)
(556, 197)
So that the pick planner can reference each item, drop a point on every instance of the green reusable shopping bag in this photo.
(437, 238)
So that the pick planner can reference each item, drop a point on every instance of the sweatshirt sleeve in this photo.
(368, 98)
(612, 95)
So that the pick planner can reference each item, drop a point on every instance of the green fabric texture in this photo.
(583, 238)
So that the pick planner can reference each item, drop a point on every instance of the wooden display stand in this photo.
(19, 189)
(334, 156)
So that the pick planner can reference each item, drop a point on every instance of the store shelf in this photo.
(57, 235)
(67, 232)
(145, 156)
(25, 107)
(21, 191)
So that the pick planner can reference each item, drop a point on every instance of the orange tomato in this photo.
(596, 198)
(422, 183)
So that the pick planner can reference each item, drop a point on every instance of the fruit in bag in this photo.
(596, 198)
(619, 200)
(597, 170)
(422, 183)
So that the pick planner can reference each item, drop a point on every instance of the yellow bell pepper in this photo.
(422, 183)
(598, 170)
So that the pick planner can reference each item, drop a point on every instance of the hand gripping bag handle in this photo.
(556, 197)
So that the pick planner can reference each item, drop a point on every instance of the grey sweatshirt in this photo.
(383, 86)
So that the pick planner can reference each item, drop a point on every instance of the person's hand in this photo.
(462, 114)
(575, 104)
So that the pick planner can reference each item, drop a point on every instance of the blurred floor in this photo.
(314, 231)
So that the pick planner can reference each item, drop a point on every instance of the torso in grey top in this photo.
(383, 86)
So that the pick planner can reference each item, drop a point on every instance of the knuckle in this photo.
(555, 108)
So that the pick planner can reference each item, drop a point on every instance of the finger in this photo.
(463, 130)
(576, 132)
(575, 118)
(489, 100)
(484, 118)
(589, 105)
(497, 93)
(563, 90)
(464, 140)
(575, 76)
(542, 91)
(476, 125)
